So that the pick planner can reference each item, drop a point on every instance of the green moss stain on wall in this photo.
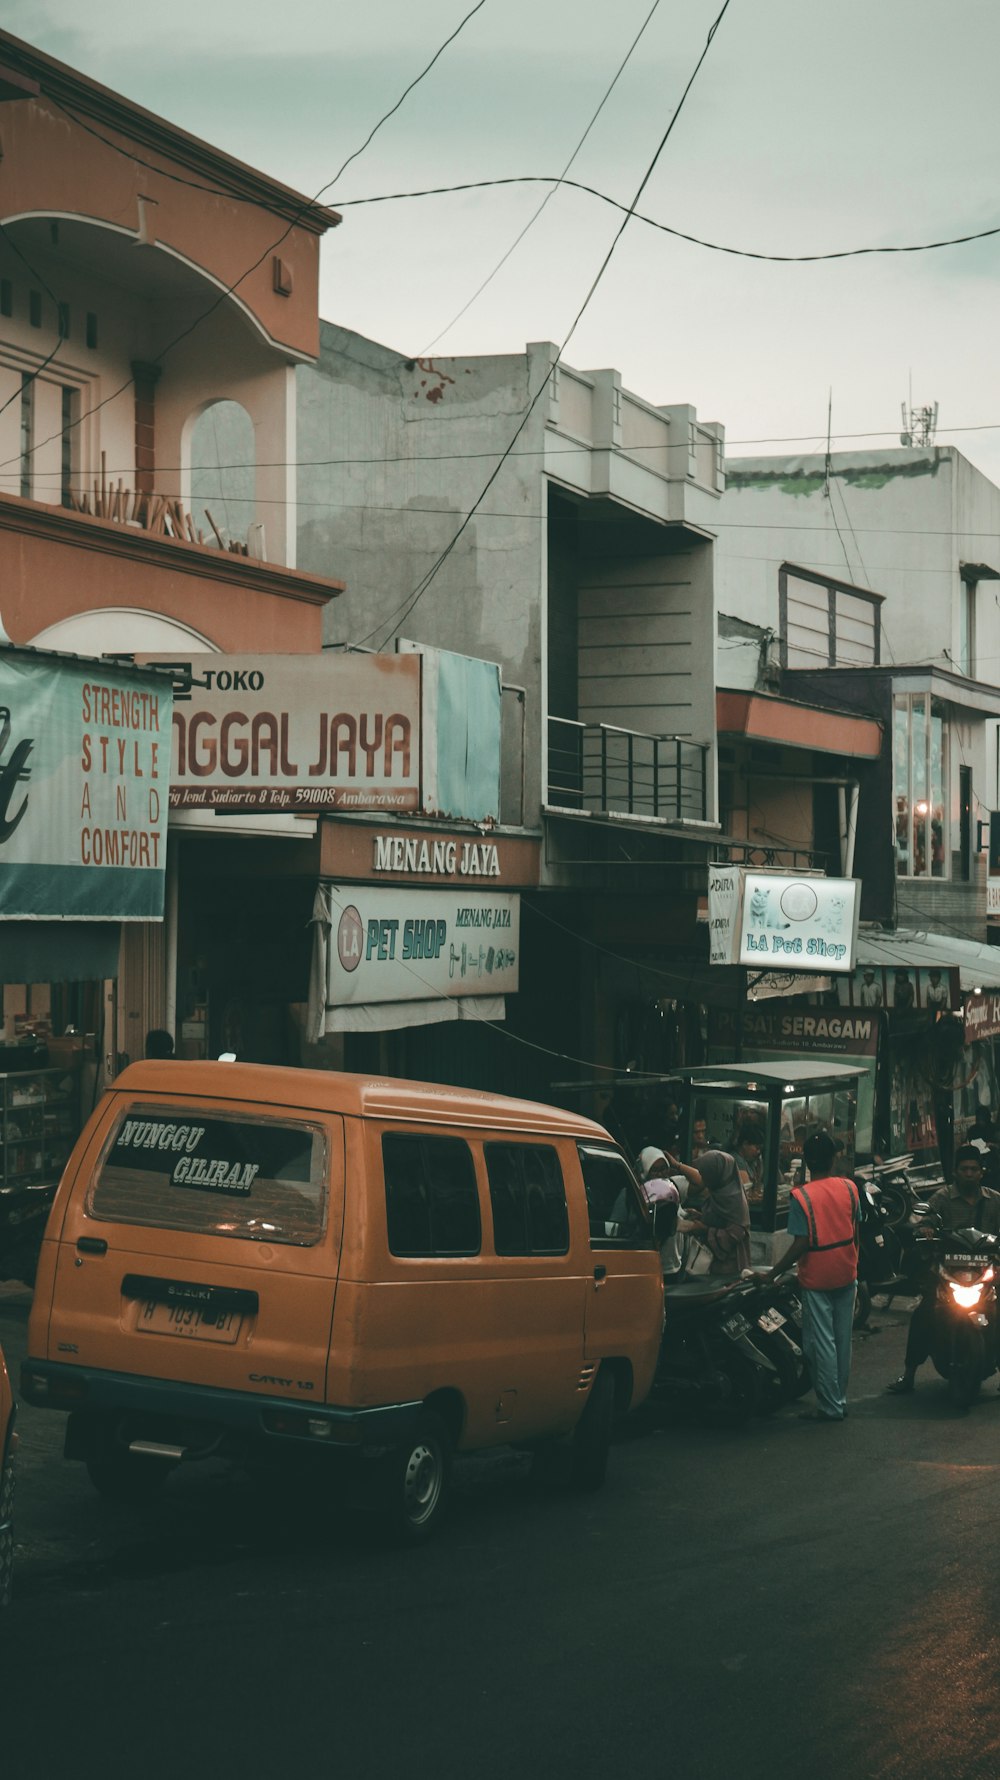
(806, 482)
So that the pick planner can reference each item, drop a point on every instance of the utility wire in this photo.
(406, 458)
(307, 205)
(549, 194)
(31, 375)
(743, 253)
(402, 612)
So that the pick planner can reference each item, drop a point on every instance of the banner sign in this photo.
(424, 855)
(982, 1015)
(902, 989)
(297, 734)
(84, 780)
(416, 945)
(773, 921)
(724, 902)
(829, 1032)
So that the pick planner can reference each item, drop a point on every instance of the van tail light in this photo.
(302, 1426)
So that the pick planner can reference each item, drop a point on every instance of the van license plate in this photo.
(186, 1319)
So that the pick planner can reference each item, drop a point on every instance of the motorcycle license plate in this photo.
(771, 1320)
(736, 1325)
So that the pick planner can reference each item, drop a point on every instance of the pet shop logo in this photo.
(792, 918)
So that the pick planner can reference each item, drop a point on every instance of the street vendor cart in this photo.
(783, 1104)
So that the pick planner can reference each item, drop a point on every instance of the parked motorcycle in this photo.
(712, 1354)
(775, 1315)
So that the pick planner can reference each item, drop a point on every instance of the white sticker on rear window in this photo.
(161, 1169)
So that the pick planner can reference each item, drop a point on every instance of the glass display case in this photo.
(39, 1123)
(762, 1113)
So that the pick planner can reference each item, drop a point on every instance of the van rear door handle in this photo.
(92, 1245)
(600, 1273)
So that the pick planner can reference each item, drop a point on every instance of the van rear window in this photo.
(216, 1174)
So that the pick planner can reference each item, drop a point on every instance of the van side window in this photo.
(618, 1218)
(528, 1199)
(431, 1197)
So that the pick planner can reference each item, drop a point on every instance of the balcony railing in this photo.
(596, 767)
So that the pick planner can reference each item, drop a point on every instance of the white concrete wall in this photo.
(897, 522)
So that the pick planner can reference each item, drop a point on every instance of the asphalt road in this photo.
(795, 1600)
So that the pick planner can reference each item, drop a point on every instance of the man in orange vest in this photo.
(823, 1221)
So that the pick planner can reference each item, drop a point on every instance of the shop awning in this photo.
(58, 951)
(908, 948)
(764, 717)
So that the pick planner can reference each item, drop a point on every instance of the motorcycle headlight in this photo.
(967, 1296)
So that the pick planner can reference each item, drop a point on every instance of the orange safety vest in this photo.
(831, 1207)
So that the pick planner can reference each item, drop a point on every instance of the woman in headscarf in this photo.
(654, 1172)
(721, 1218)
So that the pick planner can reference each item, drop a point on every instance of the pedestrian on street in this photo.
(721, 1217)
(964, 1205)
(824, 1218)
(654, 1172)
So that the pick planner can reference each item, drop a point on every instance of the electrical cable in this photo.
(549, 194)
(230, 290)
(744, 253)
(402, 612)
(31, 375)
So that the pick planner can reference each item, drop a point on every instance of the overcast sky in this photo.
(811, 127)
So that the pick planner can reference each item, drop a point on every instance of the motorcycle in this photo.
(775, 1313)
(960, 1269)
(712, 1353)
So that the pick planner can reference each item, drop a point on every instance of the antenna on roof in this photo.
(919, 424)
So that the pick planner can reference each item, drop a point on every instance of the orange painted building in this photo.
(146, 278)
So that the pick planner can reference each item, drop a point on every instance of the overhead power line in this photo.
(406, 458)
(402, 612)
(231, 289)
(743, 253)
(552, 192)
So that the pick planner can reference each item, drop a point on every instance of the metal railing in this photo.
(770, 856)
(623, 772)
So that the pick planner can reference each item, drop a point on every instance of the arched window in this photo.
(223, 457)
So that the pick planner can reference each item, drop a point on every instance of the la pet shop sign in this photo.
(794, 922)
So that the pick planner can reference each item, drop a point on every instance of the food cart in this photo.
(784, 1103)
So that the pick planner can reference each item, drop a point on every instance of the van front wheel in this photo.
(416, 1480)
(592, 1435)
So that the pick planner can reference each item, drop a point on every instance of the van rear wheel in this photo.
(415, 1482)
(592, 1435)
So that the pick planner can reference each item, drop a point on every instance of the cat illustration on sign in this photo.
(762, 914)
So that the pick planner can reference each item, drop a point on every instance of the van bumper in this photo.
(221, 1417)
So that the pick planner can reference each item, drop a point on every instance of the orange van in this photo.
(242, 1260)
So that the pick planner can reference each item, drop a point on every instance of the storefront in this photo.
(84, 775)
(416, 927)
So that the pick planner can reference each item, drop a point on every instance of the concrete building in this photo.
(868, 584)
(586, 571)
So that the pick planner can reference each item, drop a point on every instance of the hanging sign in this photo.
(84, 781)
(773, 921)
(419, 945)
(724, 898)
